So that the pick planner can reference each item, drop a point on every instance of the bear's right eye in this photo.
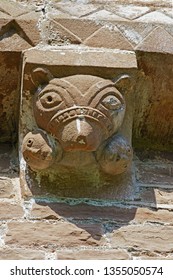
(50, 99)
(111, 102)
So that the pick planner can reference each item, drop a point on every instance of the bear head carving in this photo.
(80, 111)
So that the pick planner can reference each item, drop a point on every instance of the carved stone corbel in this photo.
(82, 113)
(77, 124)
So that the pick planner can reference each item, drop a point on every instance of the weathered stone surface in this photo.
(84, 211)
(156, 16)
(22, 21)
(60, 35)
(164, 196)
(159, 3)
(114, 213)
(154, 172)
(5, 157)
(103, 14)
(143, 215)
(18, 31)
(10, 211)
(135, 32)
(75, 9)
(29, 25)
(12, 8)
(128, 11)
(107, 10)
(20, 254)
(168, 12)
(50, 235)
(80, 28)
(34, 2)
(40, 212)
(93, 255)
(14, 42)
(94, 229)
(159, 40)
(9, 98)
(107, 38)
(157, 196)
(153, 121)
(154, 238)
(152, 256)
(4, 20)
(6, 188)
(4, 163)
(83, 57)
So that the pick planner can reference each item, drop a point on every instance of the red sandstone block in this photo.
(20, 254)
(50, 235)
(10, 211)
(96, 254)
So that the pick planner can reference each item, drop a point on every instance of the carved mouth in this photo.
(82, 113)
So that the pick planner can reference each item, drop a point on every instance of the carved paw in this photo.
(115, 157)
(37, 151)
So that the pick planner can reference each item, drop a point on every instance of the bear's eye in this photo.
(50, 99)
(112, 103)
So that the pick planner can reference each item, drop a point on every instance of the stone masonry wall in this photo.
(135, 227)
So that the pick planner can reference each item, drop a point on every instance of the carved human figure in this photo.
(82, 113)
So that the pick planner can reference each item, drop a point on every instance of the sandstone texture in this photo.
(78, 47)
(18, 31)
(36, 235)
(93, 255)
(10, 211)
(20, 254)
(154, 238)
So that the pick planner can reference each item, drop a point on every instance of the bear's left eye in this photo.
(112, 103)
(50, 99)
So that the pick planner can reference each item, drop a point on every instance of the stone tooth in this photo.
(61, 118)
(78, 111)
(95, 114)
(66, 115)
(84, 111)
(56, 120)
(100, 117)
(72, 113)
(90, 112)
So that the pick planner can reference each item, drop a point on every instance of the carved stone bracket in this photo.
(79, 124)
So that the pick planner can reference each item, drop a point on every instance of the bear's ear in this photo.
(123, 82)
(40, 76)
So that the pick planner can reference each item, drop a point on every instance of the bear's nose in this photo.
(80, 135)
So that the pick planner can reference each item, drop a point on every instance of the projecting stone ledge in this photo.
(158, 41)
(82, 57)
(90, 86)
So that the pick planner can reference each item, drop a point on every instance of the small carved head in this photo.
(80, 111)
(36, 149)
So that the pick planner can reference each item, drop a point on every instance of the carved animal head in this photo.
(80, 111)
(36, 149)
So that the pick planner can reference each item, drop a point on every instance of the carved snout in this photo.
(80, 128)
(79, 135)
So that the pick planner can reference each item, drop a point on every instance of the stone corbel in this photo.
(78, 124)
